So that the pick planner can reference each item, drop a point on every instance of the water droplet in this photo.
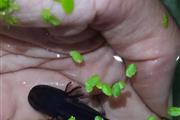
(24, 83)
(57, 84)
(177, 58)
(118, 58)
(58, 55)
(8, 45)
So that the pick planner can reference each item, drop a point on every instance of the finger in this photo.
(30, 12)
(128, 106)
(140, 38)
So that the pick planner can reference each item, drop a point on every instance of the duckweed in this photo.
(72, 118)
(98, 118)
(7, 7)
(4, 4)
(99, 85)
(106, 89)
(95, 81)
(76, 56)
(152, 118)
(174, 111)
(67, 5)
(92, 82)
(49, 18)
(131, 70)
(165, 20)
(117, 88)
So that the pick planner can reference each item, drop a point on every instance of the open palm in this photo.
(37, 53)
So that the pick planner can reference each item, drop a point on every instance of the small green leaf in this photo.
(122, 84)
(72, 118)
(116, 91)
(88, 88)
(67, 5)
(117, 88)
(4, 4)
(98, 118)
(174, 111)
(106, 89)
(7, 7)
(91, 82)
(13, 7)
(10, 20)
(99, 85)
(131, 70)
(49, 18)
(152, 118)
(76, 56)
(165, 20)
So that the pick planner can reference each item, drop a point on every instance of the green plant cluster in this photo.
(95, 81)
(114, 90)
(50, 18)
(7, 7)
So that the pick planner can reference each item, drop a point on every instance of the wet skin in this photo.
(35, 53)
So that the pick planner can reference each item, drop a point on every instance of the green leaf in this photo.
(122, 84)
(174, 111)
(106, 89)
(117, 88)
(88, 88)
(72, 118)
(10, 20)
(116, 91)
(13, 7)
(92, 82)
(131, 70)
(4, 4)
(99, 85)
(98, 118)
(49, 18)
(174, 9)
(67, 5)
(76, 56)
(7, 7)
(165, 20)
(152, 118)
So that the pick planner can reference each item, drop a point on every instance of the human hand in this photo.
(36, 53)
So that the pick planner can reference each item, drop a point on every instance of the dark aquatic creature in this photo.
(60, 105)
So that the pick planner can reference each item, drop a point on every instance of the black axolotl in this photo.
(59, 104)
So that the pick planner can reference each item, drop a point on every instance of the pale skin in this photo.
(132, 28)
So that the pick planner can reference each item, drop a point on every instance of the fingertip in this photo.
(30, 13)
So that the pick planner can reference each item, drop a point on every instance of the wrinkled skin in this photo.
(132, 29)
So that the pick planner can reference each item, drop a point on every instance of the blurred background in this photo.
(174, 9)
